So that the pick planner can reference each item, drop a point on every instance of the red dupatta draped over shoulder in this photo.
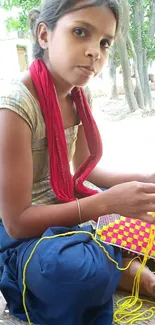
(65, 186)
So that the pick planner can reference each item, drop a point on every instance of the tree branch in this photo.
(124, 17)
(152, 22)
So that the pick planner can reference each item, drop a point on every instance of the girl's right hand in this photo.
(132, 199)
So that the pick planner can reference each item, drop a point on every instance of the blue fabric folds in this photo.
(70, 280)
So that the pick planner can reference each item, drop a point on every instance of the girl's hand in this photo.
(132, 199)
(150, 178)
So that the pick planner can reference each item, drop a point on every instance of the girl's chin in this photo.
(82, 83)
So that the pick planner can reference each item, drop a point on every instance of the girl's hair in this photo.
(52, 10)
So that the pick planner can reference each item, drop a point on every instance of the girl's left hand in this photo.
(150, 178)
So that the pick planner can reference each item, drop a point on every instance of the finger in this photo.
(150, 199)
(151, 214)
(150, 207)
(148, 218)
(148, 187)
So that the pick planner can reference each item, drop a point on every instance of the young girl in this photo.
(45, 123)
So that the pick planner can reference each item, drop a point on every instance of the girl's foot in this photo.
(147, 282)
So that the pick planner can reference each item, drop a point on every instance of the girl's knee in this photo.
(56, 269)
(74, 263)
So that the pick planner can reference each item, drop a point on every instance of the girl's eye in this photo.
(105, 43)
(79, 32)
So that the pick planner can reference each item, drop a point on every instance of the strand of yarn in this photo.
(57, 236)
(123, 308)
(128, 307)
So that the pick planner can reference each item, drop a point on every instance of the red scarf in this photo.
(65, 187)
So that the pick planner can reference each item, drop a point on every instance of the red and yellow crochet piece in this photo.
(129, 234)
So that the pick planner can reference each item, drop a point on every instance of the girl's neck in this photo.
(63, 89)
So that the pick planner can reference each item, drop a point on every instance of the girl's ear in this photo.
(43, 36)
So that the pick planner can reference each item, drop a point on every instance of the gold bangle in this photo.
(79, 210)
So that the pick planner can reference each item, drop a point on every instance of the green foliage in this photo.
(151, 53)
(26, 5)
(19, 23)
(12, 24)
(148, 44)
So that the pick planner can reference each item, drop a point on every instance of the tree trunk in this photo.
(129, 91)
(142, 63)
(138, 20)
(114, 90)
(138, 90)
(152, 22)
(112, 72)
(147, 89)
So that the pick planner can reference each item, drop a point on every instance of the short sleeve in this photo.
(15, 97)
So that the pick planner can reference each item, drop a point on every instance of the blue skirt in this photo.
(69, 280)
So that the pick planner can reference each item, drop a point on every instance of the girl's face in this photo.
(78, 47)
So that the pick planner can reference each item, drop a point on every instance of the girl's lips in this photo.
(87, 70)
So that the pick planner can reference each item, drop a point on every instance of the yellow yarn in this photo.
(125, 312)
(123, 309)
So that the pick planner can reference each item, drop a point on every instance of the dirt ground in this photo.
(116, 110)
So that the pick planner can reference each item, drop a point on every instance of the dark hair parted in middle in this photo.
(52, 10)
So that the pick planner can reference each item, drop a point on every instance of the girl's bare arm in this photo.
(20, 218)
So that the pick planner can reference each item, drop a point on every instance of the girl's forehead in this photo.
(93, 17)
